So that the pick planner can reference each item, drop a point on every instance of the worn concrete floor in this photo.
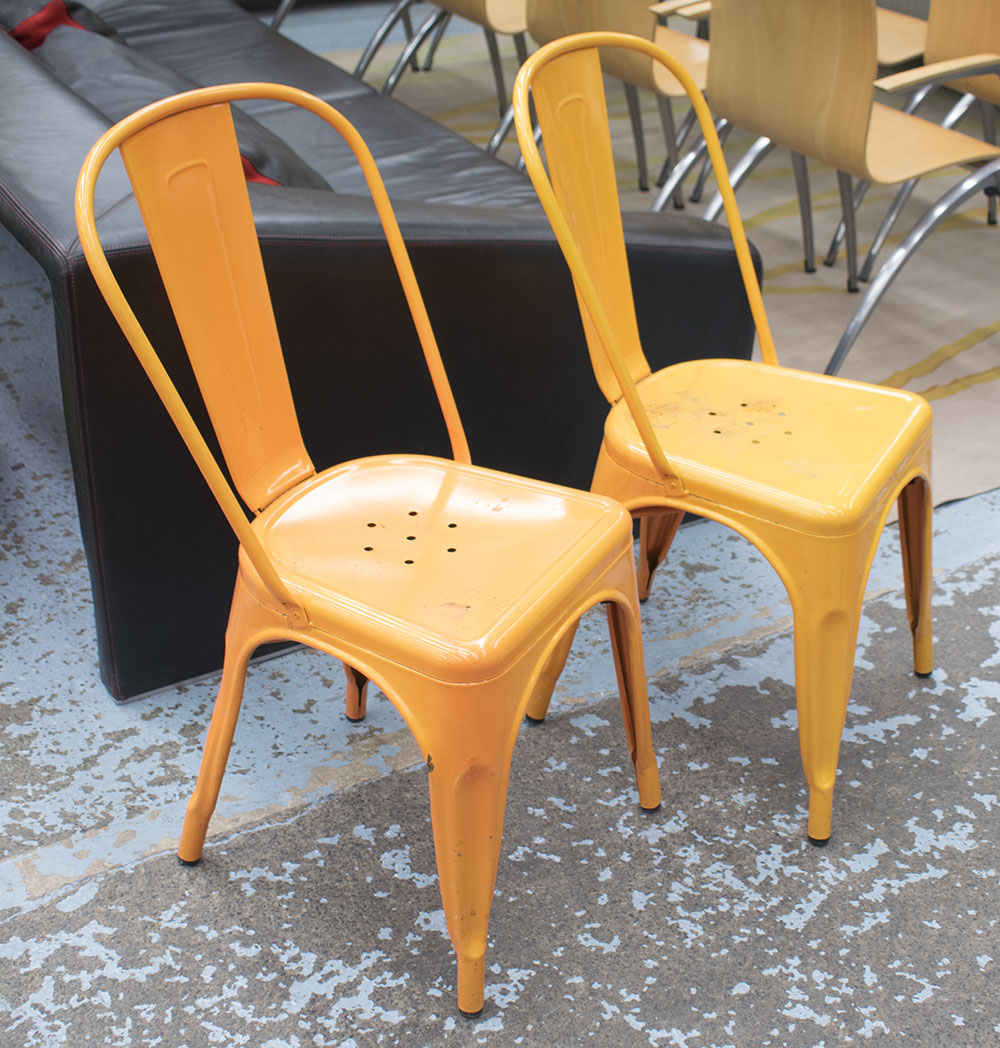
(315, 918)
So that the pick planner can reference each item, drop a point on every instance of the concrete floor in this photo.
(315, 918)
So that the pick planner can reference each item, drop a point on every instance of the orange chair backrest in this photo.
(184, 163)
(573, 116)
(800, 72)
(188, 182)
(581, 202)
(956, 28)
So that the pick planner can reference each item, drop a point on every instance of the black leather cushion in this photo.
(118, 80)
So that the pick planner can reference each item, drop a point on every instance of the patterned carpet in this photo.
(937, 332)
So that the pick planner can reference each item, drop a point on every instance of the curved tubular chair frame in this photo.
(457, 638)
(812, 496)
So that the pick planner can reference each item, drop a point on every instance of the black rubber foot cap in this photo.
(650, 811)
(923, 676)
(471, 1015)
(188, 862)
(533, 720)
(354, 720)
(817, 843)
(809, 269)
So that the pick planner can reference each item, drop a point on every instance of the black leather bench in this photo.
(161, 557)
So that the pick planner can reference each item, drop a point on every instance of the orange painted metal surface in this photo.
(448, 585)
(804, 466)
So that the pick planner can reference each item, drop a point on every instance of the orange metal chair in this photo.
(447, 584)
(804, 466)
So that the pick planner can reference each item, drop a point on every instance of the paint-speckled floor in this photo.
(315, 919)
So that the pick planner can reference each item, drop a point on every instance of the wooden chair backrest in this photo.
(956, 28)
(799, 72)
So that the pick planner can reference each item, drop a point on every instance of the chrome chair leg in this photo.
(670, 137)
(682, 132)
(903, 194)
(434, 44)
(408, 54)
(746, 163)
(521, 48)
(847, 206)
(706, 164)
(838, 237)
(401, 10)
(889, 270)
(280, 14)
(801, 172)
(494, 49)
(988, 114)
(503, 129)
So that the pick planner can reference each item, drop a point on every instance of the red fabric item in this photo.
(253, 175)
(31, 33)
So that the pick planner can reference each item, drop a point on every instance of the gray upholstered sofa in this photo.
(161, 557)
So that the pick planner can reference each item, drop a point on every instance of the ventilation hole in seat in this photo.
(744, 404)
(754, 441)
(716, 430)
(712, 412)
(407, 561)
(412, 513)
(371, 524)
(451, 549)
(368, 549)
(410, 538)
(452, 525)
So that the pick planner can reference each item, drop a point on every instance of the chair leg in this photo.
(241, 640)
(722, 129)
(801, 171)
(501, 132)
(280, 14)
(850, 228)
(635, 116)
(468, 763)
(948, 203)
(670, 138)
(626, 644)
(497, 66)
(385, 27)
(915, 541)
(409, 53)
(672, 183)
(656, 533)
(988, 113)
(435, 43)
(826, 632)
(538, 705)
(750, 159)
(356, 701)
(903, 194)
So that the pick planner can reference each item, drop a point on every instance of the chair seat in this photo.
(690, 51)
(435, 564)
(901, 37)
(770, 441)
(902, 146)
